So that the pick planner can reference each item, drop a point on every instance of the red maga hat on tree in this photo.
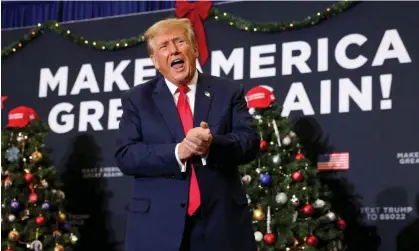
(260, 96)
(21, 116)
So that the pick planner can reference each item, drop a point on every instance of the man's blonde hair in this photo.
(168, 24)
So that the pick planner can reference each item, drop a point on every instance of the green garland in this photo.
(215, 14)
(309, 21)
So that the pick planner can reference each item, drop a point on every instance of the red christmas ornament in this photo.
(342, 224)
(299, 156)
(8, 249)
(58, 248)
(297, 176)
(312, 240)
(33, 198)
(29, 177)
(269, 238)
(307, 209)
(263, 144)
(40, 220)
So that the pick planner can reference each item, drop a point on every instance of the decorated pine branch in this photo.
(289, 204)
(33, 205)
(197, 12)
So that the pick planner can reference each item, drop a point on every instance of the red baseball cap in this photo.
(260, 96)
(21, 116)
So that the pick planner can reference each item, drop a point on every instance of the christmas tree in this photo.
(33, 213)
(287, 200)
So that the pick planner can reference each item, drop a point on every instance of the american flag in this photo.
(333, 161)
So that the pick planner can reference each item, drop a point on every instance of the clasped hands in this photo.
(196, 142)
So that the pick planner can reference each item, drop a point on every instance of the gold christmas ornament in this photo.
(258, 214)
(61, 216)
(36, 156)
(13, 235)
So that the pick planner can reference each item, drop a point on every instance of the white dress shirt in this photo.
(191, 100)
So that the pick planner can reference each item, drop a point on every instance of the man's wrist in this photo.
(180, 150)
(179, 160)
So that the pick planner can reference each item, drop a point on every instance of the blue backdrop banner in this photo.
(350, 84)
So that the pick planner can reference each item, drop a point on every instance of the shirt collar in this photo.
(192, 85)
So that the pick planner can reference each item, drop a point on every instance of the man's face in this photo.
(174, 55)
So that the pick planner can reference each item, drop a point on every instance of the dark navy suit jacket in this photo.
(149, 130)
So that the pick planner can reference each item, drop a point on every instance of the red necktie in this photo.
(185, 114)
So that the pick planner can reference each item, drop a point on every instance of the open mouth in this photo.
(177, 63)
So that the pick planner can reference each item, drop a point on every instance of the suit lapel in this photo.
(203, 98)
(167, 107)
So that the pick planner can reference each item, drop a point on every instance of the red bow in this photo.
(3, 98)
(196, 12)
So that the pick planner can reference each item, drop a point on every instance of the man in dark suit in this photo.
(182, 137)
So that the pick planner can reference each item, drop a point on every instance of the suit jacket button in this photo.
(172, 176)
(182, 204)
